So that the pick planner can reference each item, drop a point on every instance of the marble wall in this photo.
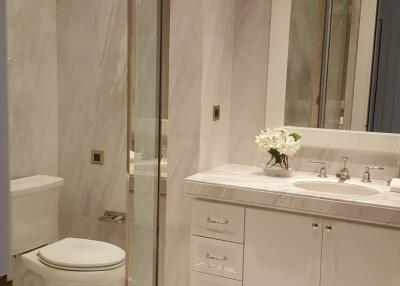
(4, 176)
(185, 76)
(32, 51)
(92, 87)
(216, 80)
(202, 54)
(249, 83)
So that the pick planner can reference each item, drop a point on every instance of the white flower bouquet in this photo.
(280, 144)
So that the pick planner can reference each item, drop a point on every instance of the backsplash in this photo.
(356, 164)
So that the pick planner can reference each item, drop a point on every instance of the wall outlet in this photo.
(216, 112)
(97, 157)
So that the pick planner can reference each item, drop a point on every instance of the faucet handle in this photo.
(322, 171)
(367, 173)
(373, 168)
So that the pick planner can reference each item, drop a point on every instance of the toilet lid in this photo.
(82, 255)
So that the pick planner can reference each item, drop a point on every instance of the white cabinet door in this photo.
(359, 255)
(281, 249)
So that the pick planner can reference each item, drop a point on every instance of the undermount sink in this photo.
(335, 187)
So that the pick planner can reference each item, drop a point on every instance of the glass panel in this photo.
(4, 176)
(145, 124)
(304, 62)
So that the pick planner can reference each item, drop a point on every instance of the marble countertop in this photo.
(249, 186)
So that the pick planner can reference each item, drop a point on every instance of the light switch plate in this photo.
(216, 112)
(97, 157)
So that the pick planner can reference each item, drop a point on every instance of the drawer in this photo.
(202, 279)
(217, 220)
(217, 257)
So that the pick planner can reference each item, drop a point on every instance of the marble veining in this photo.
(92, 96)
(249, 78)
(32, 87)
(248, 185)
(183, 132)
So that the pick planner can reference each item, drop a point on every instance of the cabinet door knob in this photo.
(328, 228)
(315, 225)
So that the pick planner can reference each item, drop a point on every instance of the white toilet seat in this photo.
(107, 272)
(75, 254)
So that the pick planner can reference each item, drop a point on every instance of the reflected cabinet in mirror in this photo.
(343, 65)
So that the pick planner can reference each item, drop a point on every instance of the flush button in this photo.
(216, 112)
(97, 157)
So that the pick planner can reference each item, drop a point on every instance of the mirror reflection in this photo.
(342, 65)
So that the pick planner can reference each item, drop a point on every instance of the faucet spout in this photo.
(343, 174)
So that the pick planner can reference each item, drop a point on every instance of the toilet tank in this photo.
(34, 212)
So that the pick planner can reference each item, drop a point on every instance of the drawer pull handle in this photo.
(216, 258)
(315, 225)
(217, 221)
(329, 228)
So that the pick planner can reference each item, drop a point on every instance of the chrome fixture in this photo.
(322, 170)
(216, 258)
(114, 217)
(217, 221)
(343, 174)
(367, 174)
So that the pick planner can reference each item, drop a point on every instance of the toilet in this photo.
(39, 258)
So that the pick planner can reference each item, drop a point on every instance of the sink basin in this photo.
(334, 187)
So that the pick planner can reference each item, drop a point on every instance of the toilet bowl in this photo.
(41, 260)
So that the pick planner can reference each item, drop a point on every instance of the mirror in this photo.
(342, 65)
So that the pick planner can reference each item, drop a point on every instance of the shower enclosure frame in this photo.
(4, 152)
(161, 107)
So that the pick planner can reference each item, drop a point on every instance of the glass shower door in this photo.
(144, 108)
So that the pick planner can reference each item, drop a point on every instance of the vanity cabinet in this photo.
(290, 249)
(359, 255)
(244, 246)
(282, 249)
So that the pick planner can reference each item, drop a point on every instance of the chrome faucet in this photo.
(322, 170)
(367, 174)
(343, 174)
